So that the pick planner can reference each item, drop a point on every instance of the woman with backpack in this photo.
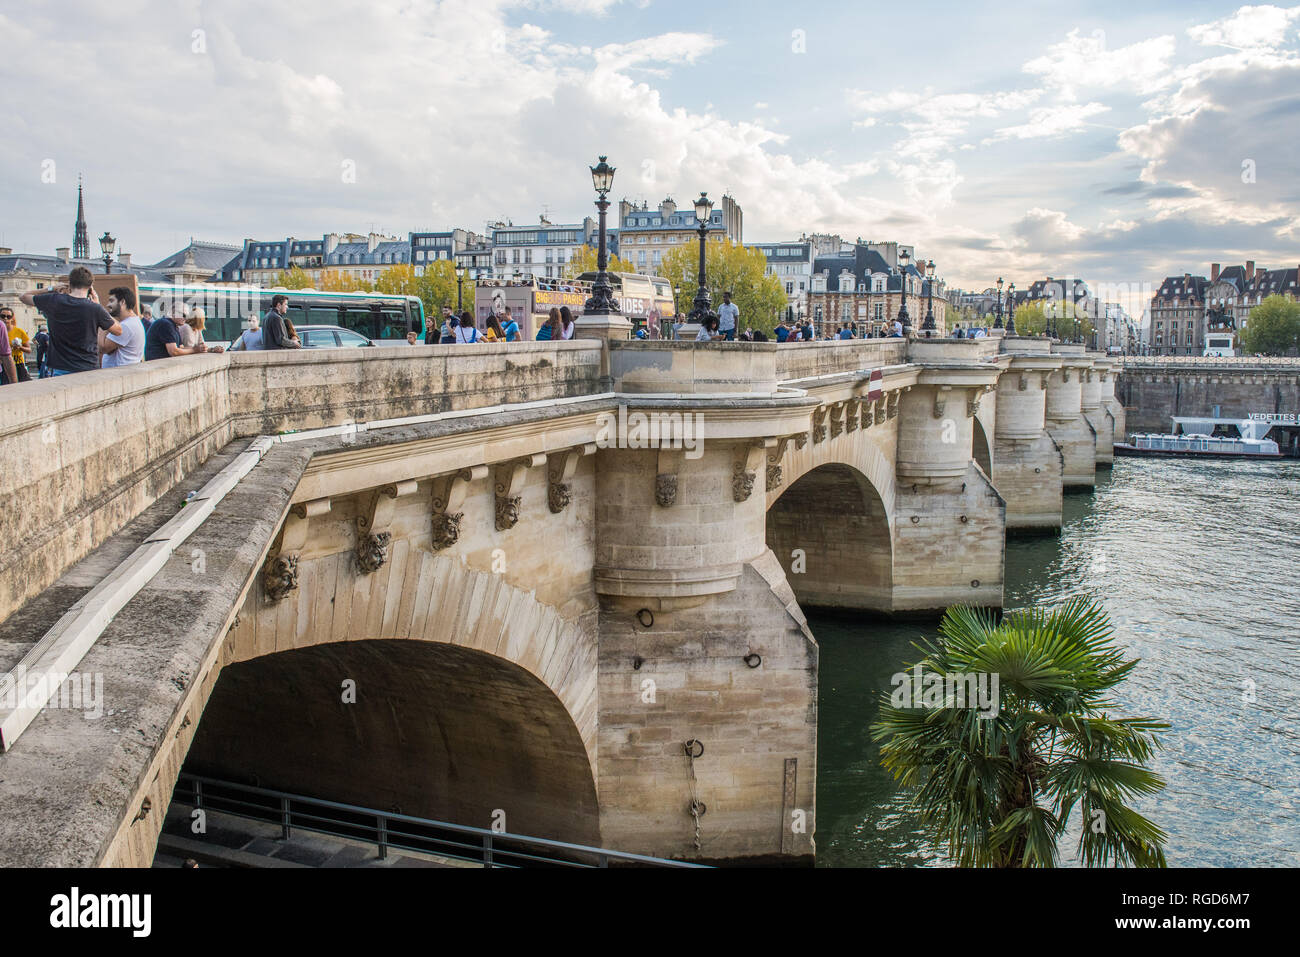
(550, 329)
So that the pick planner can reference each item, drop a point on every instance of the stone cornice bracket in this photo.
(1065, 374)
(819, 424)
(837, 416)
(510, 478)
(891, 404)
(853, 412)
(800, 440)
(973, 403)
(1024, 382)
(941, 400)
(668, 465)
(561, 469)
(280, 573)
(373, 520)
(871, 413)
(745, 468)
(772, 480)
(448, 499)
(1105, 374)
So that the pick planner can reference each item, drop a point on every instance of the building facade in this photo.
(646, 234)
(859, 288)
(542, 251)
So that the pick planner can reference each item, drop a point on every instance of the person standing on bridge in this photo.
(275, 335)
(19, 342)
(163, 340)
(8, 373)
(74, 315)
(728, 317)
(128, 348)
(42, 340)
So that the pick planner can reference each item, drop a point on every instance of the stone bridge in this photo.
(464, 581)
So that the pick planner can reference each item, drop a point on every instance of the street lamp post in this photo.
(702, 308)
(904, 319)
(1011, 309)
(997, 321)
(106, 246)
(460, 281)
(928, 326)
(601, 302)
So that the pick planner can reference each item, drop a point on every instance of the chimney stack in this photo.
(1250, 269)
(1214, 272)
(372, 242)
(124, 260)
(64, 253)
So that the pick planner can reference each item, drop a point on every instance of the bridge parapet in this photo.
(671, 367)
(94, 450)
(808, 360)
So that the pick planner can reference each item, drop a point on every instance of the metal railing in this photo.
(386, 829)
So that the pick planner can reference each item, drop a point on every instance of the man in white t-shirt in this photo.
(728, 317)
(125, 348)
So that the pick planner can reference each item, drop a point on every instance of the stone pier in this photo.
(1028, 465)
(1065, 421)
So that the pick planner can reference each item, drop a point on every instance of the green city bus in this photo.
(381, 317)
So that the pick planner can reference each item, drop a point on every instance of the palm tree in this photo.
(998, 790)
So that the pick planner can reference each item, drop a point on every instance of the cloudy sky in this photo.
(1112, 140)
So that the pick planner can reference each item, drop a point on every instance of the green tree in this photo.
(1273, 328)
(1030, 320)
(998, 791)
(585, 261)
(333, 280)
(294, 278)
(728, 266)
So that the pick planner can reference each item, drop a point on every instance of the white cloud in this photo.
(1250, 28)
(1084, 62)
(1053, 121)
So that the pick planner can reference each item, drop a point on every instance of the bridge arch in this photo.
(471, 696)
(831, 526)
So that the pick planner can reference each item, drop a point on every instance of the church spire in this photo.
(81, 239)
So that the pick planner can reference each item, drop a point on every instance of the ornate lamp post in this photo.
(903, 317)
(928, 325)
(1011, 309)
(106, 246)
(601, 302)
(460, 281)
(702, 308)
(997, 322)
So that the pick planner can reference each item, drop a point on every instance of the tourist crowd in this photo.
(79, 333)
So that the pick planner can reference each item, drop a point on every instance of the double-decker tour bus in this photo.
(645, 300)
(382, 317)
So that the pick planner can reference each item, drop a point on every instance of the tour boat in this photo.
(1195, 438)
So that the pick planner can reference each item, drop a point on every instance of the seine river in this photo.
(1198, 565)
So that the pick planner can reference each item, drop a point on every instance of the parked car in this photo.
(329, 337)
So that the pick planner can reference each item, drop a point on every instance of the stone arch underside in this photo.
(472, 695)
(831, 531)
(436, 731)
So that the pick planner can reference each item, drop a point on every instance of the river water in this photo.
(1198, 566)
